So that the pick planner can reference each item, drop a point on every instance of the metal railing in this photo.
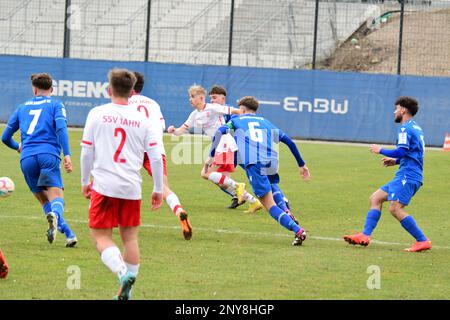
(379, 36)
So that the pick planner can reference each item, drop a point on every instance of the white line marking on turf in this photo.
(268, 234)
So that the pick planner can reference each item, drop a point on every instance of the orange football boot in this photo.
(185, 225)
(420, 246)
(358, 238)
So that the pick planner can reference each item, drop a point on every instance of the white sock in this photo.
(221, 179)
(132, 268)
(112, 258)
(230, 190)
(248, 197)
(174, 203)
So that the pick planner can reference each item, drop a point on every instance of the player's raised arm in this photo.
(177, 131)
(235, 111)
(223, 109)
(398, 153)
(184, 128)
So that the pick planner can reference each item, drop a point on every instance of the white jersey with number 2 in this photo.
(119, 135)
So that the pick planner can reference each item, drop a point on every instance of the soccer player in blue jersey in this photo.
(408, 179)
(43, 126)
(217, 94)
(255, 137)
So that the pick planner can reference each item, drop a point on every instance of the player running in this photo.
(255, 138)
(224, 155)
(408, 179)
(43, 126)
(209, 117)
(152, 111)
(115, 138)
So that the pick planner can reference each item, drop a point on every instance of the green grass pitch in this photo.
(236, 255)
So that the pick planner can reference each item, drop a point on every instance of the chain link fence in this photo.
(409, 37)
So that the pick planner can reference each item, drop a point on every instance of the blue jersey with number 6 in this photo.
(410, 137)
(38, 120)
(255, 137)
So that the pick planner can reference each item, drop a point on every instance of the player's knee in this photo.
(394, 209)
(374, 200)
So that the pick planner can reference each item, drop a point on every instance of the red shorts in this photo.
(107, 212)
(149, 168)
(225, 161)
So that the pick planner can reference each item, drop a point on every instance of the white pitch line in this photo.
(268, 234)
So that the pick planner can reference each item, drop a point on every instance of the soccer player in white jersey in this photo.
(209, 117)
(152, 111)
(114, 141)
(224, 159)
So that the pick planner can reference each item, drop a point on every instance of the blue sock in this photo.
(371, 221)
(278, 197)
(225, 190)
(284, 219)
(410, 225)
(57, 207)
(47, 207)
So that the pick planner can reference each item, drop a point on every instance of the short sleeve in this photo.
(189, 123)
(220, 109)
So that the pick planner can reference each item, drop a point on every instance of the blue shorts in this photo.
(261, 183)
(401, 190)
(42, 171)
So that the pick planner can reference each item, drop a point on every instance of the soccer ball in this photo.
(6, 187)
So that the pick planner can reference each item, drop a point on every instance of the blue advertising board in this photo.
(306, 104)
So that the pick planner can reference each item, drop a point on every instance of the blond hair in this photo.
(196, 90)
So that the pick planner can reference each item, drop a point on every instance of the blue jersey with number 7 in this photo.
(256, 138)
(38, 120)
